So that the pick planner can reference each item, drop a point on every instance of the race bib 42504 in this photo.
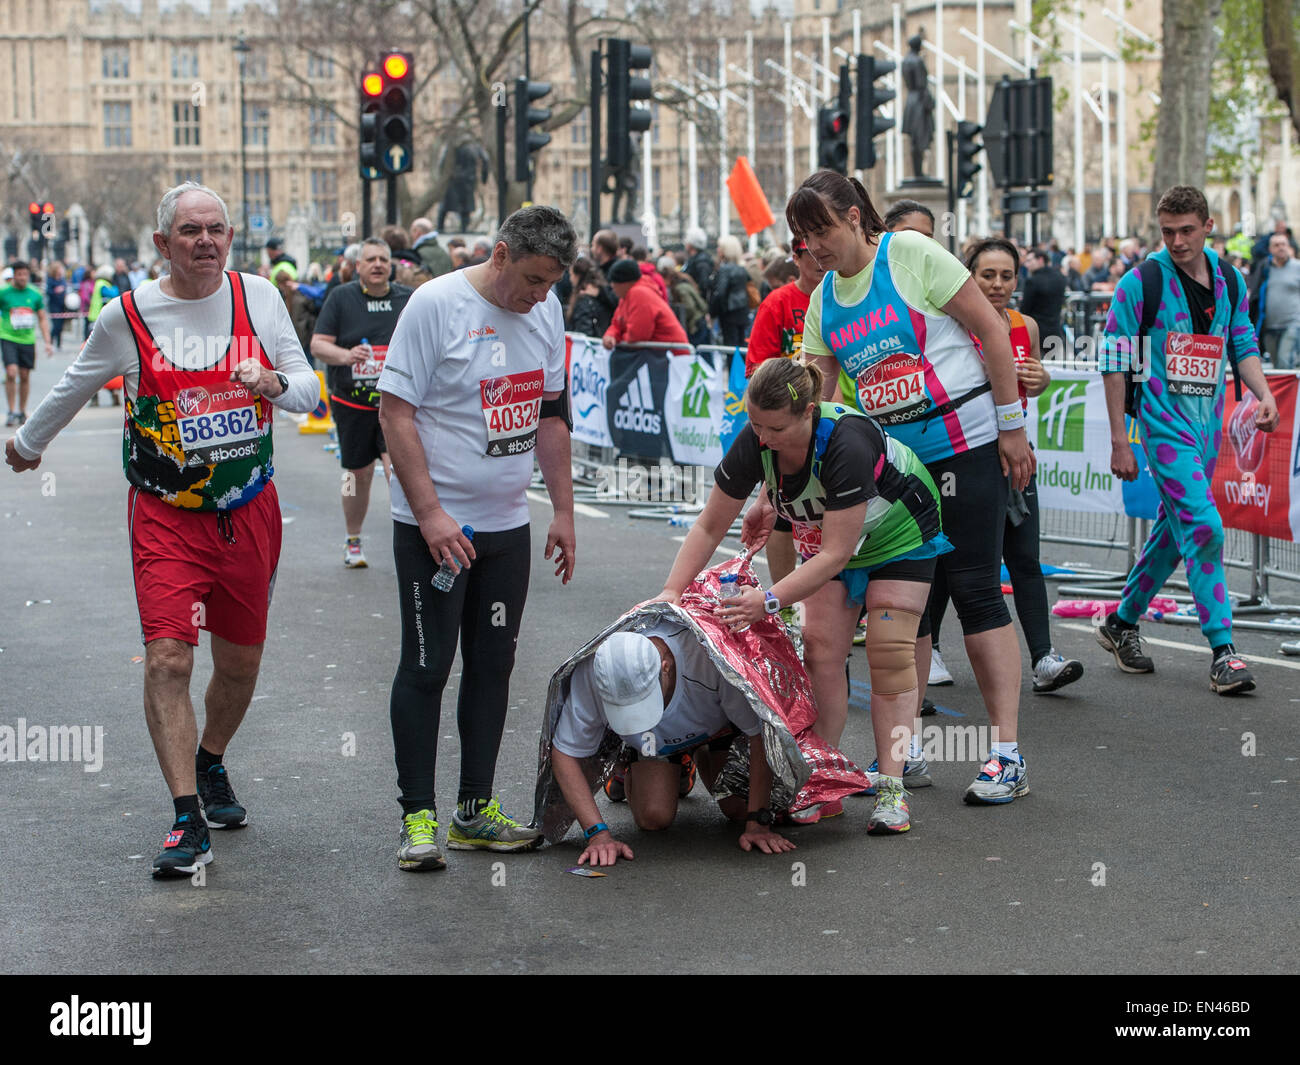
(511, 408)
(1192, 363)
(373, 366)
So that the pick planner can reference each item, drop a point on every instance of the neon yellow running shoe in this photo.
(490, 829)
(418, 846)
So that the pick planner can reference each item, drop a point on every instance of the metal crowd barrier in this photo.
(1264, 558)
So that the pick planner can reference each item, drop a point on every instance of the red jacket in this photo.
(645, 315)
(656, 279)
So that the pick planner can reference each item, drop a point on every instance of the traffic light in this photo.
(867, 124)
(372, 88)
(833, 139)
(34, 213)
(393, 122)
(526, 117)
(624, 119)
(967, 148)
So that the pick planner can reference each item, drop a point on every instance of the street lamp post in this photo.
(242, 49)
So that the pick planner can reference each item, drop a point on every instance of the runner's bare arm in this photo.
(554, 456)
(972, 309)
(440, 530)
(753, 834)
(710, 527)
(602, 848)
(1123, 463)
(328, 352)
(830, 369)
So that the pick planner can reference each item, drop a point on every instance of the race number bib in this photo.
(217, 426)
(1193, 363)
(807, 538)
(893, 390)
(22, 318)
(511, 408)
(371, 369)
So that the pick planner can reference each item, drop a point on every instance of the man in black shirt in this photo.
(1043, 298)
(351, 338)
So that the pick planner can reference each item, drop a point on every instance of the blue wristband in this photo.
(594, 830)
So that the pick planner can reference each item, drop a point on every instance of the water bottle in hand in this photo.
(446, 575)
(729, 588)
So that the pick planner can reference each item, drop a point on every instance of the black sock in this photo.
(186, 804)
(1222, 649)
(205, 760)
(1114, 621)
(468, 808)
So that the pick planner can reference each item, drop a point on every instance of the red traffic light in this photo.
(372, 84)
(396, 66)
(34, 208)
(49, 208)
(840, 122)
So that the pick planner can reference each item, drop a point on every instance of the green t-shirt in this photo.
(924, 273)
(18, 307)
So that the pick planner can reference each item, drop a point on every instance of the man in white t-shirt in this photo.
(662, 694)
(471, 389)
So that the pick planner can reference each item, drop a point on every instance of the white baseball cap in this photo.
(627, 680)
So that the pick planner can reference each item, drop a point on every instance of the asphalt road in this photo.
(1149, 842)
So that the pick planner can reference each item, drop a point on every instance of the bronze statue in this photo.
(918, 112)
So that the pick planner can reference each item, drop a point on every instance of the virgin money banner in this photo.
(694, 408)
(1070, 432)
(588, 387)
(1255, 482)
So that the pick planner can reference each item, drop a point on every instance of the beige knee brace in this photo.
(891, 649)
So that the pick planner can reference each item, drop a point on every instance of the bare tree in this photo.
(1188, 39)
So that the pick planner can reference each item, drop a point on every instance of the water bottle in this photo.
(729, 588)
(446, 575)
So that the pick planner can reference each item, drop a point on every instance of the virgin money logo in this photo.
(192, 401)
(497, 391)
(1248, 443)
(1180, 343)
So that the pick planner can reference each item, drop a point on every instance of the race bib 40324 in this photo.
(1193, 363)
(511, 407)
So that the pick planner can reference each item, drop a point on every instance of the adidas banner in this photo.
(638, 383)
(588, 388)
(694, 407)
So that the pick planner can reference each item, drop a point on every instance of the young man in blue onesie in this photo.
(1179, 410)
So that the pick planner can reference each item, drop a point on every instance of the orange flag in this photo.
(746, 193)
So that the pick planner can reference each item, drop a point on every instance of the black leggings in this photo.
(973, 498)
(1020, 551)
(484, 607)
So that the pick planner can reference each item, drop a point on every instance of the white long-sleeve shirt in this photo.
(181, 327)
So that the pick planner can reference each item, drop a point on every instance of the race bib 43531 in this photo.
(1193, 363)
(511, 408)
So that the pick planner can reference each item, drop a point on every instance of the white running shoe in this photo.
(353, 556)
(939, 675)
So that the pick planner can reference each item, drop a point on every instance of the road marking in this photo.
(1175, 645)
(578, 508)
(757, 560)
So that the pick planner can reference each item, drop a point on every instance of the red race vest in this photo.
(193, 437)
(1021, 348)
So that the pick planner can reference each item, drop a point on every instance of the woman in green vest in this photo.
(865, 518)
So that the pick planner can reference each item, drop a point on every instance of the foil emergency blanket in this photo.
(761, 662)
